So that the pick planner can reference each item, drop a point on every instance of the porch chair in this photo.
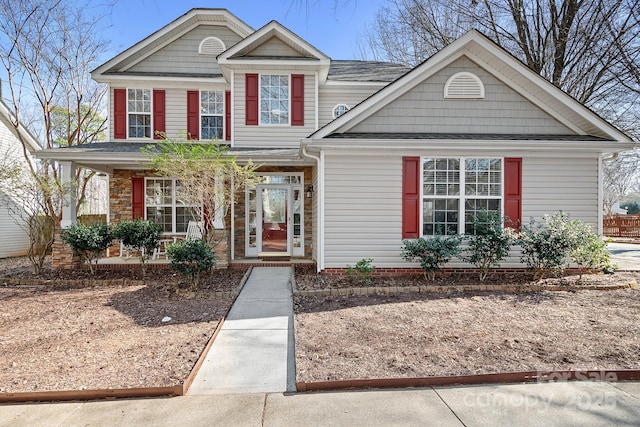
(194, 232)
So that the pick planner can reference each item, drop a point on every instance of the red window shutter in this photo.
(410, 197)
(193, 114)
(158, 114)
(297, 100)
(227, 116)
(137, 198)
(120, 113)
(251, 99)
(513, 192)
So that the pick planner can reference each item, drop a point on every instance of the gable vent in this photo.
(211, 46)
(464, 85)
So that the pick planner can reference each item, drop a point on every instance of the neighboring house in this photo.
(13, 228)
(355, 156)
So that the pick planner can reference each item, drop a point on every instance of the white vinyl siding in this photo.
(363, 210)
(424, 109)
(15, 240)
(271, 136)
(182, 53)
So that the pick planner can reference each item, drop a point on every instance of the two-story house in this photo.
(354, 155)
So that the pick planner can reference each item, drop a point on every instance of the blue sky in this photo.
(334, 31)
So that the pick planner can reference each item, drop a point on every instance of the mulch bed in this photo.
(59, 337)
(406, 335)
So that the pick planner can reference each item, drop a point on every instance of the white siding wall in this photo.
(272, 136)
(182, 54)
(424, 109)
(15, 241)
(331, 95)
(363, 209)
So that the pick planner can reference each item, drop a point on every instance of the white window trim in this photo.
(462, 197)
(333, 112)
(205, 40)
(288, 124)
(135, 112)
(466, 74)
(173, 204)
(212, 115)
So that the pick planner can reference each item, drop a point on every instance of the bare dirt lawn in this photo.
(419, 335)
(54, 338)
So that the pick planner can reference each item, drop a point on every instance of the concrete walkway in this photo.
(549, 404)
(254, 351)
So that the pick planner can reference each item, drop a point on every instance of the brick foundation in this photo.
(392, 272)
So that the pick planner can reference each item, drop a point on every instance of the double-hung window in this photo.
(139, 113)
(274, 99)
(166, 206)
(455, 190)
(211, 114)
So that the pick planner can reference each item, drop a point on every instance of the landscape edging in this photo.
(124, 393)
(496, 378)
(454, 289)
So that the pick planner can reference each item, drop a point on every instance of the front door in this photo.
(275, 216)
(274, 233)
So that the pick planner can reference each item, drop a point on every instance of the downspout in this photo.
(320, 223)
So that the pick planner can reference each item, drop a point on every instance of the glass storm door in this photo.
(275, 219)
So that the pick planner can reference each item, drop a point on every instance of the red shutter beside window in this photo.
(137, 198)
(410, 197)
(251, 99)
(193, 114)
(227, 116)
(158, 114)
(120, 113)
(297, 100)
(513, 192)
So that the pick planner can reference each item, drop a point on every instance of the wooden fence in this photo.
(621, 226)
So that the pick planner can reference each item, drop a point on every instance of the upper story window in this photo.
(464, 85)
(455, 190)
(211, 114)
(274, 99)
(139, 113)
(339, 110)
(211, 46)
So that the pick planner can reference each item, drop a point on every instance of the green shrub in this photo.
(432, 253)
(191, 257)
(590, 253)
(546, 245)
(362, 273)
(141, 236)
(489, 244)
(88, 242)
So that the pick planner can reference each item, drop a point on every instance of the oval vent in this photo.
(464, 85)
(211, 46)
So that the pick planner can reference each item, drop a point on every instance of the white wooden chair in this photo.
(194, 232)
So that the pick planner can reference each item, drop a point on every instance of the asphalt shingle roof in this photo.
(365, 71)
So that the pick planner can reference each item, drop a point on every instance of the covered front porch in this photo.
(271, 223)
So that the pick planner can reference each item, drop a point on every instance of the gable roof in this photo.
(170, 32)
(500, 64)
(237, 54)
(22, 133)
